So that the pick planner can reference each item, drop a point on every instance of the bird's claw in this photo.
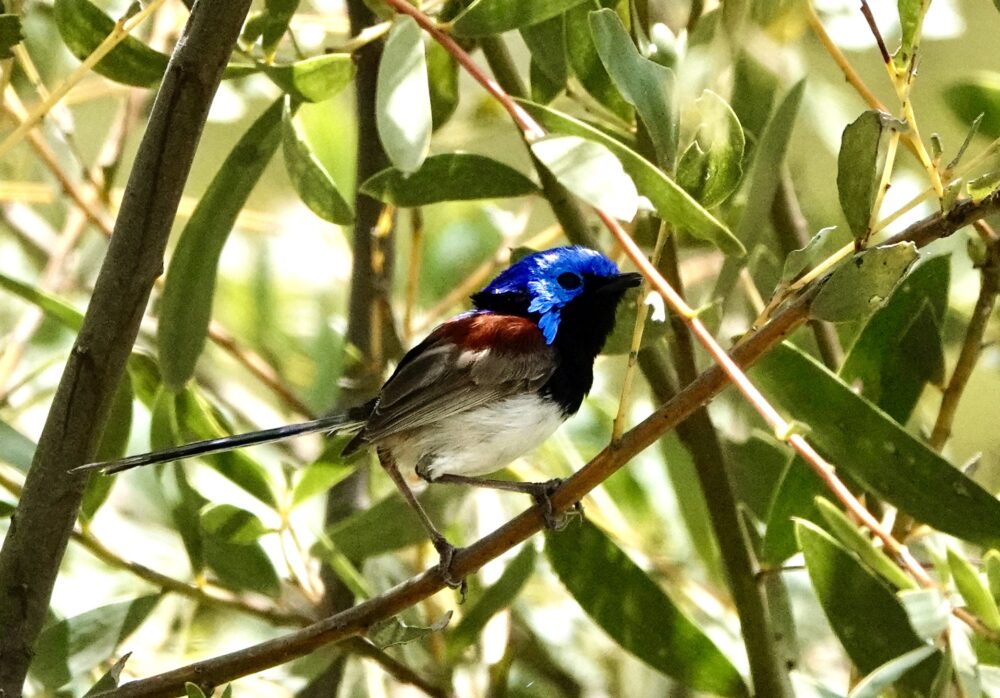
(543, 497)
(446, 552)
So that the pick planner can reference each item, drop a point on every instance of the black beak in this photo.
(621, 282)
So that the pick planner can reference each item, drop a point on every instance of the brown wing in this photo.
(458, 368)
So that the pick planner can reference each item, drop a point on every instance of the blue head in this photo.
(549, 284)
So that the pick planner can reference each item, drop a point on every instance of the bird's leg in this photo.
(445, 549)
(541, 492)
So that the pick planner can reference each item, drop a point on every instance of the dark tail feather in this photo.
(338, 422)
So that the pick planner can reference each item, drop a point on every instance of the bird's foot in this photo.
(446, 552)
(542, 494)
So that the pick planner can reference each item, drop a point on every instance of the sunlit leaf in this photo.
(313, 183)
(644, 84)
(863, 283)
(672, 203)
(314, 79)
(74, 646)
(231, 524)
(448, 177)
(586, 64)
(981, 187)
(859, 169)
(403, 103)
(635, 612)
(492, 600)
(712, 165)
(928, 611)
(316, 478)
(875, 451)
(186, 308)
(866, 616)
(392, 632)
(591, 171)
(486, 17)
(974, 590)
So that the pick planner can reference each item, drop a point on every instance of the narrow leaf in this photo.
(403, 103)
(109, 680)
(862, 284)
(190, 285)
(487, 17)
(448, 177)
(672, 203)
(644, 84)
(313, 183)
(591, 171)
(911, 17)
(889, 673)
(794, 499)
(231, 524)
(52, 306)
(113, 443)
(859, 169)
(316, 478)
(586, 64)
(442, 83)
(877, 452)
(636, 613)
(820, 246)
(76, 645)
(974, 590)
(856, 604)
(315, 79)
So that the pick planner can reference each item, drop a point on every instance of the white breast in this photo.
(480, 441)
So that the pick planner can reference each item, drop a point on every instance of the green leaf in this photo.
(974, 590)
(634, 611)
(889, 673)
(442, 83)
(543, 89)
(646, 85)
(899, 349)
(866, 617)
(196, 421)
(859, 169)
(316, 478)
(487, 17)
(403, 103)
(193, 690)
(6, 509)
(74, 646)
(109, 680)
(315, 79)
(591, 171)
(493, 600)
(820, 246)
(547, 43)
(15, 448)
(875, 451)
(54, 307)
(672, 203)
(858, 542)
(113, 443)
(83, 26)
(231, 524)
(794, 499)
(911, 16)
(392, 632)
(313, 183)
(975, 96)
(862, 284)
(242, 567)
(981, 187)
(586, 64)
(448, 177)
(712, 165)
(186, 308)
(991, 563)
(272, 23)
(10, 34)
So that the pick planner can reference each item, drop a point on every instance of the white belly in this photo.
(480, 441)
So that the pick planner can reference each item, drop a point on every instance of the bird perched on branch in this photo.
(482, 389)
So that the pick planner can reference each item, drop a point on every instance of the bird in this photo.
(482, 389)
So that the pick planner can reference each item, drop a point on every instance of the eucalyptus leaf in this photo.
(186, 308)
(314, 79)
(859, 169)
(866, 617)
(672, 203)
(403, 103)
(313, 183)
(591, 171)
(875, 451)
(646, 85)
(711, 167)
(448, 177)
(636, 613)
(862, 284)
(487, 17)
(585, 62)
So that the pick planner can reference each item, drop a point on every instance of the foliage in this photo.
(727, 142)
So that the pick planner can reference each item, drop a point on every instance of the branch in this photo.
(41, 525)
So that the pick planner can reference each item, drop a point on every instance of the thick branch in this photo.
(40, 528)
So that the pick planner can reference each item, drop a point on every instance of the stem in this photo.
(43, 521)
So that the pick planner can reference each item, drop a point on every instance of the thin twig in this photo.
(840, 59)
(870, 18)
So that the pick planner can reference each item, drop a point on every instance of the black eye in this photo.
(569, 280)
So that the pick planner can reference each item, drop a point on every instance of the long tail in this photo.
(337, 422)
